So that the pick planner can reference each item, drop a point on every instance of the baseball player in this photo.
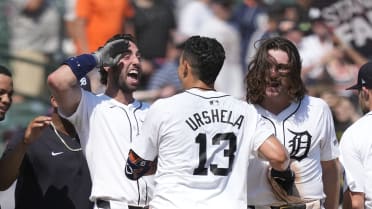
(47, 162)
(106, 123)
(356, 147)
(201, 140)
(6, 91)
(303, 124)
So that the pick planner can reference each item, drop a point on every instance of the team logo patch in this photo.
(299, 145)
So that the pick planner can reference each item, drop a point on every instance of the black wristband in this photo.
(286, 174)
(81, 65)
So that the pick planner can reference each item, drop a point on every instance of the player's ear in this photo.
(365, 93)
(186, 68)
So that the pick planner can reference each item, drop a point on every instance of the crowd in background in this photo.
(37, 35)
(41, 34)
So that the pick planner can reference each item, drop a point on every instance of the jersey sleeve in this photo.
(329, 143)
(263, 131)
(80, 118)
(351, 160)
(145, 145)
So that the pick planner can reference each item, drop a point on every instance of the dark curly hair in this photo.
(128, 37)
(206, 57)
(262, 63)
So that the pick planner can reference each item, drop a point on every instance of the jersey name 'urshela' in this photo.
(214, 116)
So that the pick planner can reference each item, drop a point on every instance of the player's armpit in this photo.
(137, 167)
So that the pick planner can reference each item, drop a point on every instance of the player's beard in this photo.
(123, 81)
(125, 88)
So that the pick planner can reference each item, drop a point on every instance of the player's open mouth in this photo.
(133, 74)
(274, 84)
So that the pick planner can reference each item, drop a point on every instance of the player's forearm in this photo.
(65, 88)
(331, 183)
(62, 79)
(273, 151)
(11, 162)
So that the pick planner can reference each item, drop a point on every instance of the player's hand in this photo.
(35, 127)
(110, 54)
(282, 183)
(284, 178)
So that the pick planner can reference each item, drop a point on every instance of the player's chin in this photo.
(132, 87)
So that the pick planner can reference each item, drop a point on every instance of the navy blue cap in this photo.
(364, 77)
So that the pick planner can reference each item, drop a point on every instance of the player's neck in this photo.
(203, 89)
(275, 105)
(124, 98)
(63, 126)
(202, 86)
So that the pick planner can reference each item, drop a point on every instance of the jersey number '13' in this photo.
(202, 168)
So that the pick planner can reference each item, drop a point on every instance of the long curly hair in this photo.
(206, 57)
(259, 69)
(128, 37)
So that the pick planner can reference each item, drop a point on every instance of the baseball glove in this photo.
(111, 53)
(282, 183)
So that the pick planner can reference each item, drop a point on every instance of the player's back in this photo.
(205, 139)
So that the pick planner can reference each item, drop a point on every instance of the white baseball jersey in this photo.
(203, 140)
(356, 157)
(106, 128)
(307, 131)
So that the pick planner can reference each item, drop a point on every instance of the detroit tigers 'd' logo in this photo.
(299, 145)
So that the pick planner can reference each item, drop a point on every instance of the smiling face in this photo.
(126, 76)
(6, 92)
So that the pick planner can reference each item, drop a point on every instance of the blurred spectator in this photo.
(345, 114)
(342, 71)
(69, 20)
(343, 110)
(96, 22)
(217, 26)
(297, 11)
(313, 64)
(267, 27)
(99, 20)
(34, 38)
(154, 25)
(290, 29)
(192, 17)
(165, 82)
(178, 5)
(245, 18)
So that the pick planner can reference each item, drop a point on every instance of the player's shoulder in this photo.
(358, 130)
(91, 98)
(315, 102)
(361, 125)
